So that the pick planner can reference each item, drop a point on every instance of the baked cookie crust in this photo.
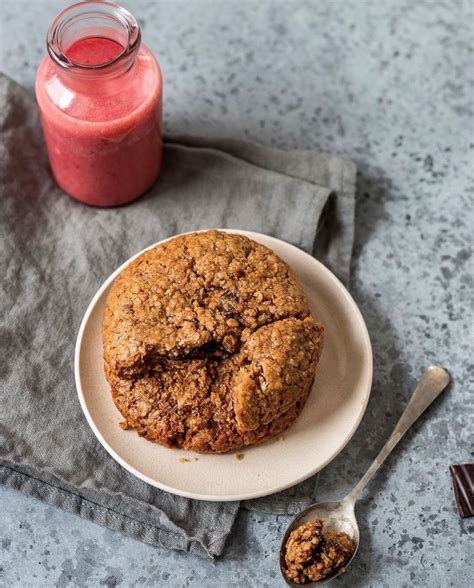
(209, 344)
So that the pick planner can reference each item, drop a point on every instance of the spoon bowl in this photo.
(337, 516)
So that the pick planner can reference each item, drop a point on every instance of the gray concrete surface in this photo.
(389, 85)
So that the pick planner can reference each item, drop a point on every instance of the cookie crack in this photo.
(212, 349)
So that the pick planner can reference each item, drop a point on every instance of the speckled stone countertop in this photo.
(389, 85)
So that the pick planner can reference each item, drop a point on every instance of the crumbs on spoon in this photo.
(240, 456)
(312, 553)
(184, 460)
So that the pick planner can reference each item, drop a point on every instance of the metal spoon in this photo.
(340, 516)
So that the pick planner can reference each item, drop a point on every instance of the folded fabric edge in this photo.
(251, 153)
(102, 515)
(334, 239)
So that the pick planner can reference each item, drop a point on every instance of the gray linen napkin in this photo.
(55, 253)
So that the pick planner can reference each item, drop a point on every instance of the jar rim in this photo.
(100, 9)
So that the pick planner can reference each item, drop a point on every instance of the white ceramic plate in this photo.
(329, 419)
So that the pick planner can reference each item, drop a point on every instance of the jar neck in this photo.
(93, 44)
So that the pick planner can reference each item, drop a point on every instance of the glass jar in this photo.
(99, 91)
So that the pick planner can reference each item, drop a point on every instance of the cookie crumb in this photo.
(311, 555)
(240, 456)
(196, 459)
(124, 425)
(184, 460)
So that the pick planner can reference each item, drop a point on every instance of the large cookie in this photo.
(208, 343)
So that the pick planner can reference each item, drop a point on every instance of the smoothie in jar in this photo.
(99, 91)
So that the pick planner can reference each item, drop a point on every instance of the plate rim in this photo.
(206, 497)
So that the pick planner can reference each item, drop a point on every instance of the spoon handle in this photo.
(429, 387)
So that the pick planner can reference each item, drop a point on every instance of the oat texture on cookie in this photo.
(208, 343)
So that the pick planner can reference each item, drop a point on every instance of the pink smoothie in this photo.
(103, 132)
(94, 51)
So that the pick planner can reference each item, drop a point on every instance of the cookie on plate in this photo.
(208, 343)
